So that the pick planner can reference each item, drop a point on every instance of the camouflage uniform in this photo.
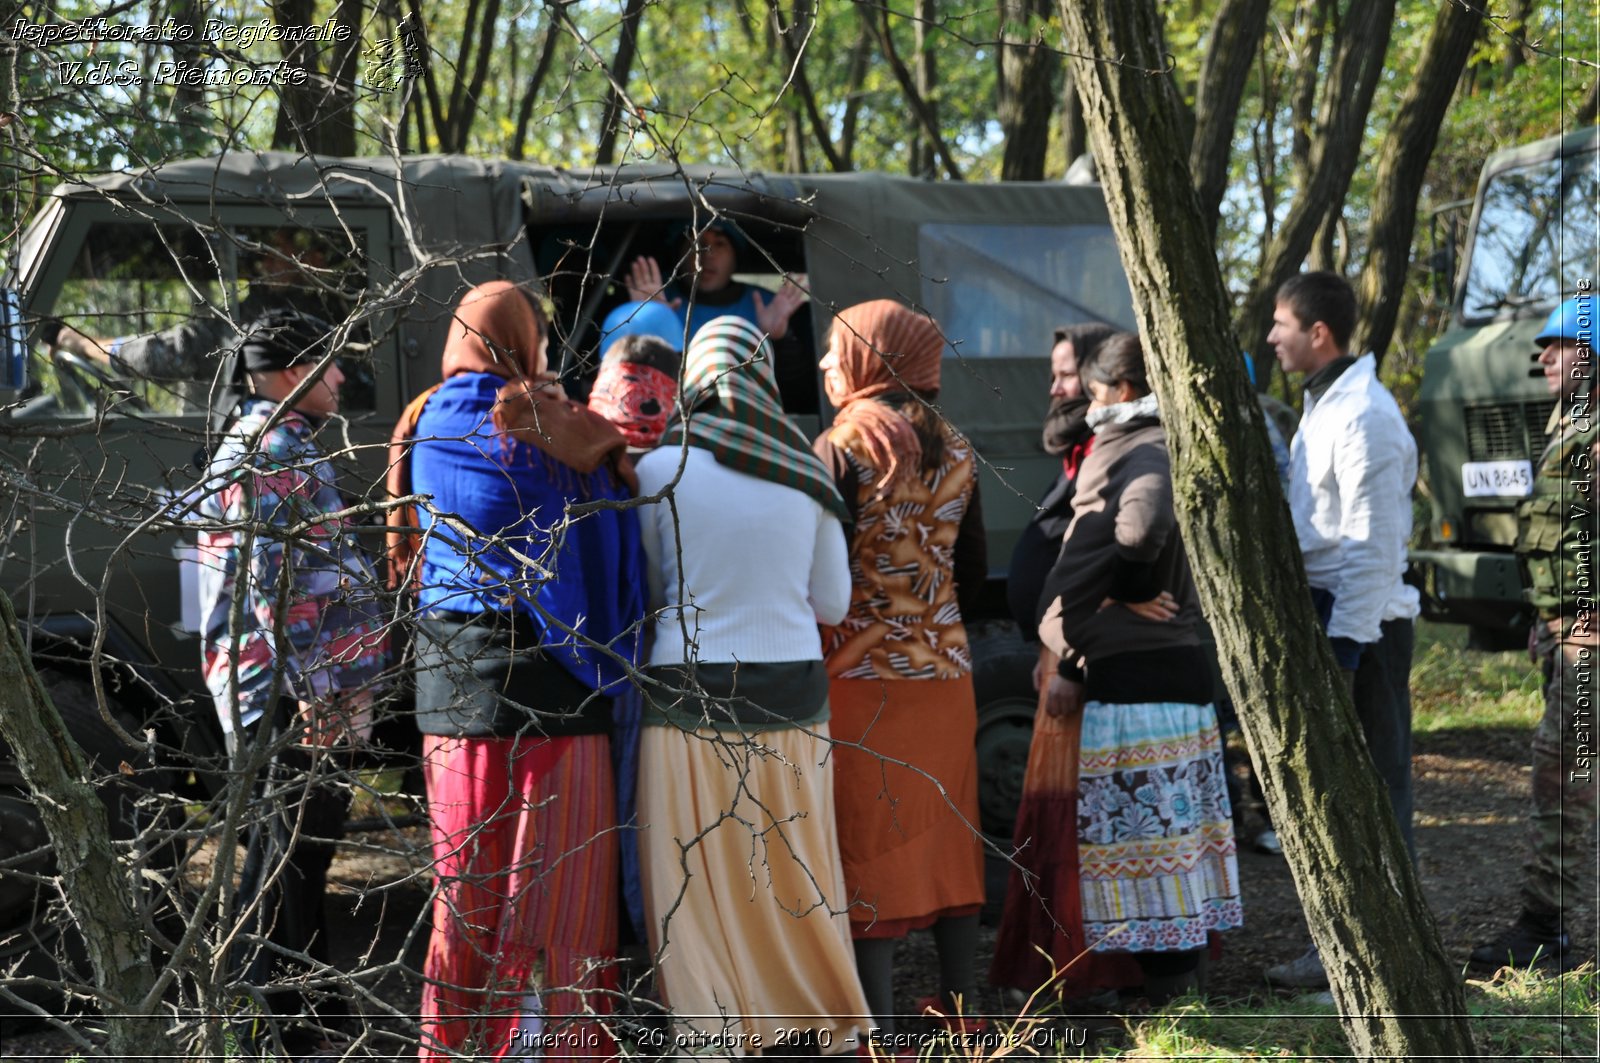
(1557, 533)
(184, 352)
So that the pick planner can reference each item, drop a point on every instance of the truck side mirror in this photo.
(13, 346)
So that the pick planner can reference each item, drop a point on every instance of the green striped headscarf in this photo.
(730, 406)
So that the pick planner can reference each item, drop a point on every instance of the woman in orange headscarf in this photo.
(899, 669)
(523, 616)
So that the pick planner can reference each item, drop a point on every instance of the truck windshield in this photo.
(1000, 290)
(1537, 236)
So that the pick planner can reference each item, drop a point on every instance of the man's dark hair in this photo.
(1325, 297)
(1084, 337)
(1120, 358)
(643, 349)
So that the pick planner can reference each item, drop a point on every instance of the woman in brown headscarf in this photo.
(517, 664)
(901, 682)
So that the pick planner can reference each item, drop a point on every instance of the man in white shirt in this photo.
(1352, 467)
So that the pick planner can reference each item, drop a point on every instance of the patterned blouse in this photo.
(904, 622)
(334, 636)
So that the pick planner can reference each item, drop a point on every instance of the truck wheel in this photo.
(1002, 678)
(36, 935)
(1497, 639)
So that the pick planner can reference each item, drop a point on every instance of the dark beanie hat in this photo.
(282, 338)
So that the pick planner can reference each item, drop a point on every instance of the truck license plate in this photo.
(1497, 479)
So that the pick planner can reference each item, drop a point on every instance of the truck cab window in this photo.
(1536, 236)
(157, 303)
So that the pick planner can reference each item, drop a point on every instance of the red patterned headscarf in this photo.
(635, 397)
(881, 348)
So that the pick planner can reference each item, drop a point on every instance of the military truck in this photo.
(1533, 238)
(102, 459)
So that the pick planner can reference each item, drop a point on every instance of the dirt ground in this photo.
(1472, 795)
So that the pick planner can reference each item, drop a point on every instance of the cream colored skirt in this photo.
(744, 892)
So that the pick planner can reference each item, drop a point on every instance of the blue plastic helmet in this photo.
(1572, 320)
(653, 318)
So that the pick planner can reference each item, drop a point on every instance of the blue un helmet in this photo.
(653, 318)
(1572, 320)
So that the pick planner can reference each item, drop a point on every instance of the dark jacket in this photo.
(1123, 544)
(1035, 554)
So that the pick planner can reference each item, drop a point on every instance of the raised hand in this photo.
(772, 316)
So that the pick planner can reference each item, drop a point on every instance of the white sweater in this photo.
(749, 570)
(1351, 469)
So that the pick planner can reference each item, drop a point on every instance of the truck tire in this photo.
(36, 935)
(1002, 679)
(1497, 639)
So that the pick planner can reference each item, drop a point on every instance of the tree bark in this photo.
(319, 115)
(859, 55)
(1313, 23)
(430, 87)
(1399, 996)
(921, 107)
(541, 69)
(1235, 38)
(621, 70)
(1359, 48)
(794, 39)
(1515, 26)
(1589, 109)
(926, 76)
(297, 104)
(1028, 70)
(98, 894)
(1403, 163)
(1074, 136)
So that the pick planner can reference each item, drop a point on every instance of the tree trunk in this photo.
(53, 767)
(807, 112)
(547, 51)
(1515, 27)
(1589, 109)
(621, 69)
(1359, 49)
(1399, 995)
(319, 115)
(859, 55)
(297, 104)
(336, 119)
(926, 76)
(1074, 136)
(1235, 38)
(1028, 70)
(1403, 163)
(922, 108)
(1313, 26)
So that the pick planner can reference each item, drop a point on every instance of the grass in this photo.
(1457, 689)
(1518, 1015)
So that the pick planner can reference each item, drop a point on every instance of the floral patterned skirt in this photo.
(1157, 859)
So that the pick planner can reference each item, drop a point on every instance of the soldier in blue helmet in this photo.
(1556, 536)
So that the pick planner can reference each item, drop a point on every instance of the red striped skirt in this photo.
(524, 916)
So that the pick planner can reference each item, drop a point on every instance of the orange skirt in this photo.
(906, 788)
